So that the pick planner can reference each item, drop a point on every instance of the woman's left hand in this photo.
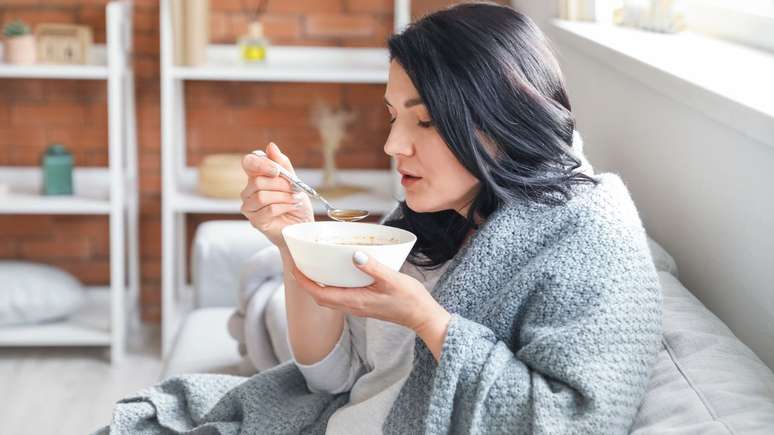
(393, 297)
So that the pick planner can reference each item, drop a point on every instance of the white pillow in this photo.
(31, 293)
(662, 259)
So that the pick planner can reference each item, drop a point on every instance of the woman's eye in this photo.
(425, 124)
(392, 120)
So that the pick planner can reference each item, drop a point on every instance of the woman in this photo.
(529, 303)
(563, 327)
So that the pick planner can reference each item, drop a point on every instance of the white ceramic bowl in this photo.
(323, 250)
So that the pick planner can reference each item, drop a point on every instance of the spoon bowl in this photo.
(347, 215)
(337, 214)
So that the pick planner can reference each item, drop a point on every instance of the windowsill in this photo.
(729, 83)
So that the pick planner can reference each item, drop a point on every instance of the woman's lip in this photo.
(408, 179)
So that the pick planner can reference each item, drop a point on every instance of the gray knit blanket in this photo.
(556, 321)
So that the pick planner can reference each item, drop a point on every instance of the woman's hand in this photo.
(393, 297)
(269, 201)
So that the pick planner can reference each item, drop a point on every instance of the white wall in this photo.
(704, 190)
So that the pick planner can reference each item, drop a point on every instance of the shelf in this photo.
(89, 327)
(378, 200)
(292, 64)
(91, 186)
(96, 70)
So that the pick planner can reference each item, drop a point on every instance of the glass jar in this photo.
(253, 45)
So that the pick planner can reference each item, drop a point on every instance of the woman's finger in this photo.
(351, 299)
(262, 198)
(255, 166)
(274, 183)
(271, 211)
(255, 184)
(273, 152)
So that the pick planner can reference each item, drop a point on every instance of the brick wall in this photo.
(222, 117)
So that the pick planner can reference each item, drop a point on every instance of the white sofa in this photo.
(705, 380)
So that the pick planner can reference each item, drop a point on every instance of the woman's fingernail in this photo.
(360, 257)
(276, 146)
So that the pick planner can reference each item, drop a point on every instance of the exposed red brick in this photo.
(339, 25)
(373, 6)
(46, 249)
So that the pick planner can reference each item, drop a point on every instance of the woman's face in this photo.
(433, 178)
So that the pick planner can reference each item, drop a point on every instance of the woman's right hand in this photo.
(269, 201)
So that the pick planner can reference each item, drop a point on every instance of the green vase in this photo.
(57, 171)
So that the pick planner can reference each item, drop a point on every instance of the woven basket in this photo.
(221, 176)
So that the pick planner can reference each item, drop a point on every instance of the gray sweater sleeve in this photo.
(338, 371)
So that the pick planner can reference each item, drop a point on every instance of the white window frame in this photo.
(750, 23)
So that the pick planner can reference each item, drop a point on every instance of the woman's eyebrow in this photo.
(410, 102)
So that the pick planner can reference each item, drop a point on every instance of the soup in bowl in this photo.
(323, 250)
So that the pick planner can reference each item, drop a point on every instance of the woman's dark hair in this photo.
(496, 95)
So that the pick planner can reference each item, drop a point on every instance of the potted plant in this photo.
(19, 47)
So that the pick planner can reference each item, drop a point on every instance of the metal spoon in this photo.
(338, 214)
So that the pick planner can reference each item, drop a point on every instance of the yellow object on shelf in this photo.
(253, 45)
(221, 176)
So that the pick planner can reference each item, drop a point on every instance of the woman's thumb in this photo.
(274, 153)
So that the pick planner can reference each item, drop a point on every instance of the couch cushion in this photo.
(661, 258)
(203, 345)
(219, 248)
(705, 380)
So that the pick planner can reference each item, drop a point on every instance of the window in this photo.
(749, 22)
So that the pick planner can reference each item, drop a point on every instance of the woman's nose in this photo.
(398, 143)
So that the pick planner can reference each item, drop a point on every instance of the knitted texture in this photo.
(555, 327)
(556, 322)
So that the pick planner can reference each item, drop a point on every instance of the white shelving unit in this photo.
(284, 64)
(111, 191)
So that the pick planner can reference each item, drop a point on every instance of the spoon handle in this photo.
(284, 173)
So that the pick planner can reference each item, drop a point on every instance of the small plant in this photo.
(15, 29)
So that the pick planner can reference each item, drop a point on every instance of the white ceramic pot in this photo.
(19, 50)
(323, 250)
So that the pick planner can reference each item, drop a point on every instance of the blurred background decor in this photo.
(57, 171)
(254, 43)
(600, 11)
(332, 125)
(221, 176)
(18, 43)
(663, 16)
(191, 29)
(63, 43)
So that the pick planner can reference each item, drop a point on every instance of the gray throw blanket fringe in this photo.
(556, 320)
